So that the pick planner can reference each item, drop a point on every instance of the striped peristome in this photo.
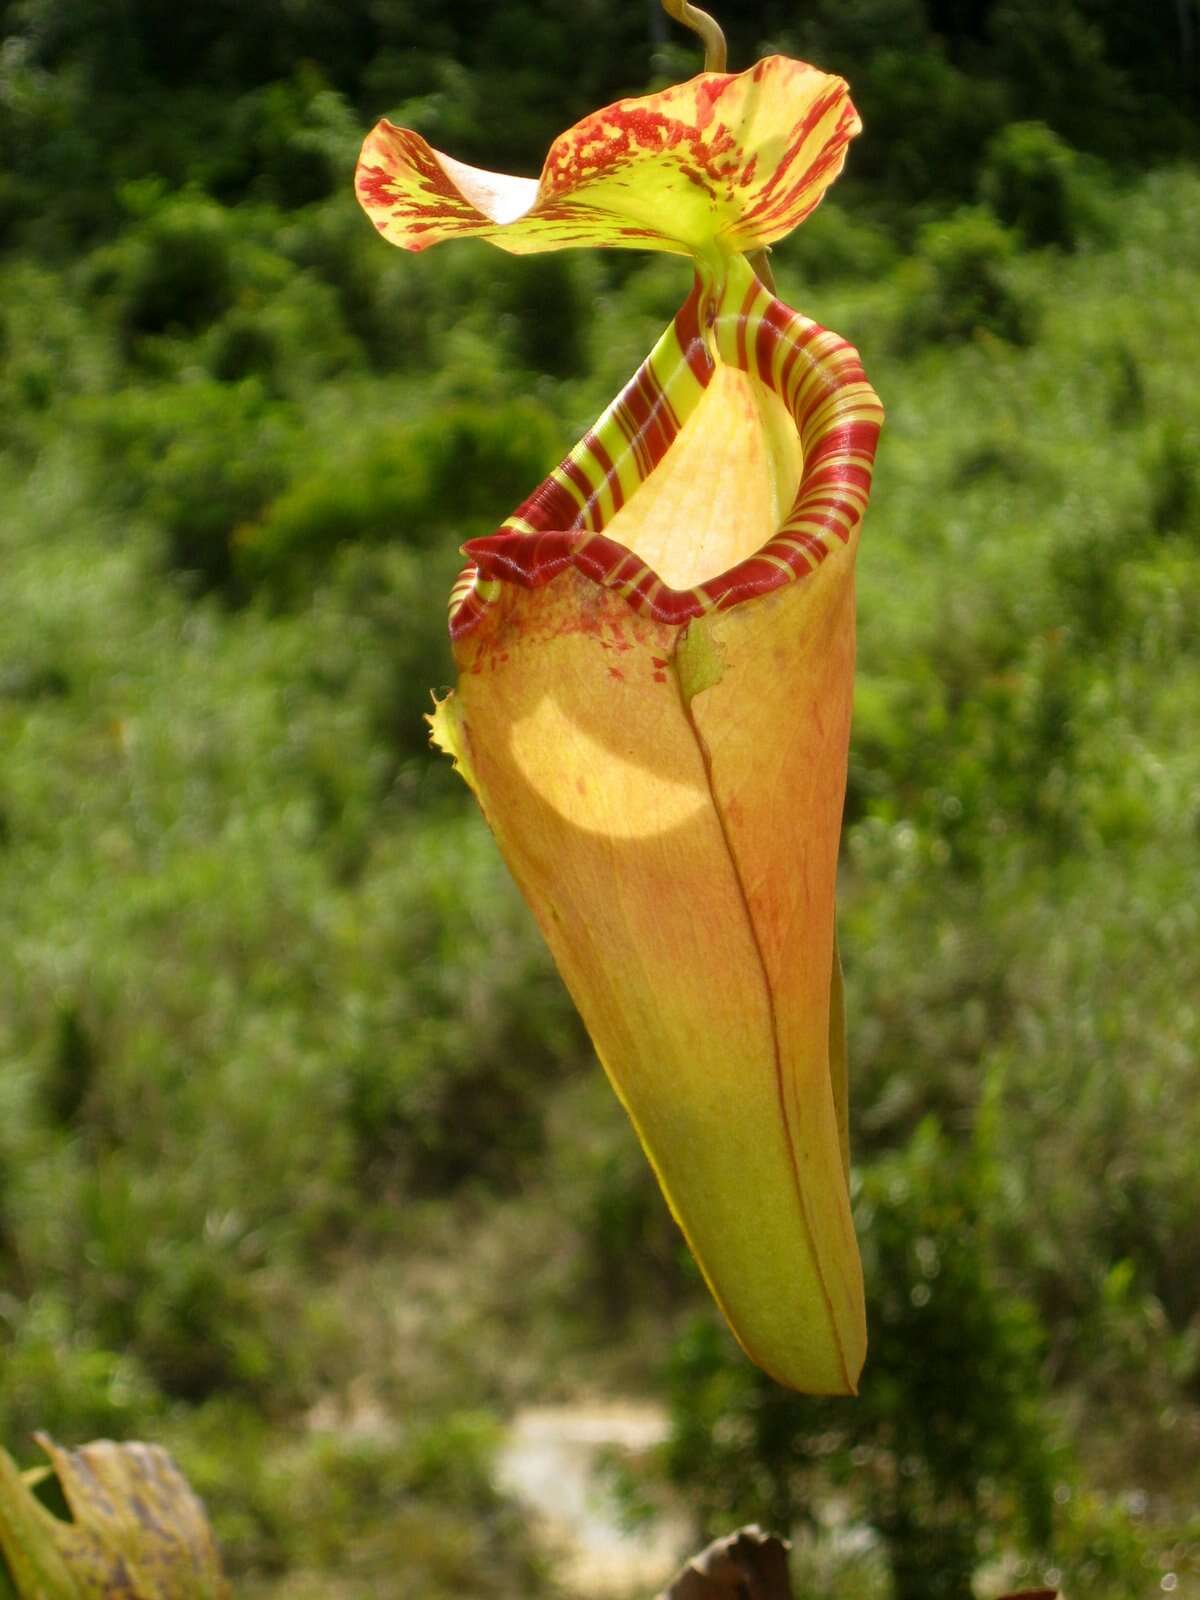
(737, 321)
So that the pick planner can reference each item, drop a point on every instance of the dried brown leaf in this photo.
(746, 1565)
(752, 1565)
(137, 1530)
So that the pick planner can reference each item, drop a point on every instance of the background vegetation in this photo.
(305, 1169)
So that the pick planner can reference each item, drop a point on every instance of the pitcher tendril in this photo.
(707, 29)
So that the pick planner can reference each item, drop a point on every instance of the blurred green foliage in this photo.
(946, 1439)
(1032, 181)
(304, 1165)
(958, 284)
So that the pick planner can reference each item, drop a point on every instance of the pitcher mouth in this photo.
(837, 416)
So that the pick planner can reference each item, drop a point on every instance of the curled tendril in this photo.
(706, 27)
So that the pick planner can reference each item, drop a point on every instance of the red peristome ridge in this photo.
(605, 462)
(838, 417)
(648, 421)
(691, 339)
